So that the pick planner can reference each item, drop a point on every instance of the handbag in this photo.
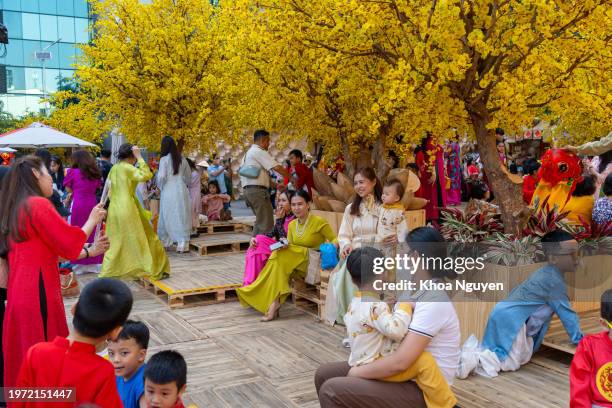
(329, 256)
(313, 275)
(68, 282)
(249, 171)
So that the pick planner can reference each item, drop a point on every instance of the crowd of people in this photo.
(404, 354)
(419, 339)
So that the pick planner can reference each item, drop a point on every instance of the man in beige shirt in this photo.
(257, 190)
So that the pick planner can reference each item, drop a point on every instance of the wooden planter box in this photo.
(414, 218)
(584, 290)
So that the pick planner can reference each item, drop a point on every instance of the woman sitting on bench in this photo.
(271, 287)
(259, 250)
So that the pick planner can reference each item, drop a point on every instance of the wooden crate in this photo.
(196, 280)
(212, 227)
(415, 218)
(306, 297)
(195, 297)
(220, 243)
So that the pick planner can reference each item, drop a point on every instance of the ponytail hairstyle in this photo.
(18, 186)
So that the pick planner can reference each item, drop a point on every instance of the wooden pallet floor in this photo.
(212, 227)
(196, 280)
(557, 338)
(542, 383)
(235, 360)
(220, 243)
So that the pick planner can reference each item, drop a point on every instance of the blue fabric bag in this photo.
(329, 256)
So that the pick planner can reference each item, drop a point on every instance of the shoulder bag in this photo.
(249, 171)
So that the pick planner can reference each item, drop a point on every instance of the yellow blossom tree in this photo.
(151, 70)
(451, 64)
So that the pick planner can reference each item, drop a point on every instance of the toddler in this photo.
(391, 219)
(374, 332)
(128, 353)
(213, 202)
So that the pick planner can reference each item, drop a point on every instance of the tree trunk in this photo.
(508, 195)
(352, 162)
(379, 154)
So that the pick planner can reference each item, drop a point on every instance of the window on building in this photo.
(48, 28)
(54, 49)
(31, 26)
(48, 6)
(12, 21)
(81, 8)
(14, 53)
(52, 77)
(65, 8)
(29, 48)
(33, 80)
(30, 6)
(66, 55)
(12, 5)
(81, 29)
(15, 79)
(66, 28)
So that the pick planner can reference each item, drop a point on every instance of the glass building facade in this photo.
(34, 25)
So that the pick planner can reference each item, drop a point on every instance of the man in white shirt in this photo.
(257, 190)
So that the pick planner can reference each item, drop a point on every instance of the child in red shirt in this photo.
(165, 379)
(300, 172)
(72, 362)
(530, 167)
(591, 369)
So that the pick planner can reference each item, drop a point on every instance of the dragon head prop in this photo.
(560, 166)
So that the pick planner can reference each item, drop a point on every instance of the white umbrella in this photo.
(7, 150)
(39, 135)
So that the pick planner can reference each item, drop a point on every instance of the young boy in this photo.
(391, 219)
(72, 362)
(165, 380)
(517, 325)
(300, 172)
(374, 332)
(591, 369)
(128, 353)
